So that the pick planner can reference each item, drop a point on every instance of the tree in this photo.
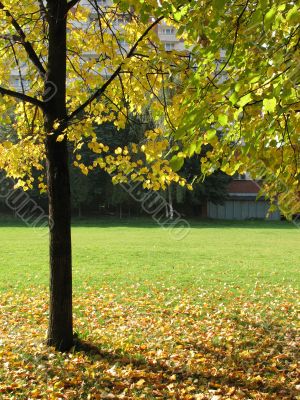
(244, 95)
(47, 112)
(66, 88)
(213, 187)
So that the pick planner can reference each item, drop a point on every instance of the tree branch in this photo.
(237, 27)
(71, 4)
(102, 89)
(43, 11)
(42, 8)
(21, 96)
(27, 45)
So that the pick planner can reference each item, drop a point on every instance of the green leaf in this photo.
(245, 100)
(219, 4)
(124, 6)
(237, 86)
(269, 18)
(211, 133)
(234, 98)
(176, 163)
(270, 104)
(254, 78)
(191, 149)
(293, 15)
(223, 119)
(178, 14)
(238, 114)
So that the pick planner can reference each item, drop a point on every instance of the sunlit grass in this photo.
(129, 252)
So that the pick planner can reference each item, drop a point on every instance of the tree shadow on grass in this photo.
(170, 381)
(92, 371)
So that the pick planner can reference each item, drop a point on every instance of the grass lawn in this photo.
(129, 252)
(214, 314)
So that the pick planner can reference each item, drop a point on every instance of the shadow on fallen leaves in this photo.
(159, 344)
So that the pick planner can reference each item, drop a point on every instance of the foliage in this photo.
(246, 107)
(212, 188)
(88, 192)
(118, 92)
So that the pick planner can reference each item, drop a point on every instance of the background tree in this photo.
(213, 187)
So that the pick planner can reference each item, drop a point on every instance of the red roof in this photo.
(243, 186)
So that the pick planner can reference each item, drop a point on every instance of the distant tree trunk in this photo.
(60, 331)
(170, 203)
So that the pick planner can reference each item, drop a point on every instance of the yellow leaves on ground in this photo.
(162, 343)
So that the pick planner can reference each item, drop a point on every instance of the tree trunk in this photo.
(170, 203)
(60, 331)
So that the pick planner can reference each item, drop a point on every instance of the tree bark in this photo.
(60, 330)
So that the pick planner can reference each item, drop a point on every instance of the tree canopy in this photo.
(234, 87)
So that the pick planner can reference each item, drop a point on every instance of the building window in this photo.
(168, 31)
(169, 46)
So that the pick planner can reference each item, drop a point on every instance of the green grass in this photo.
(129, 252)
